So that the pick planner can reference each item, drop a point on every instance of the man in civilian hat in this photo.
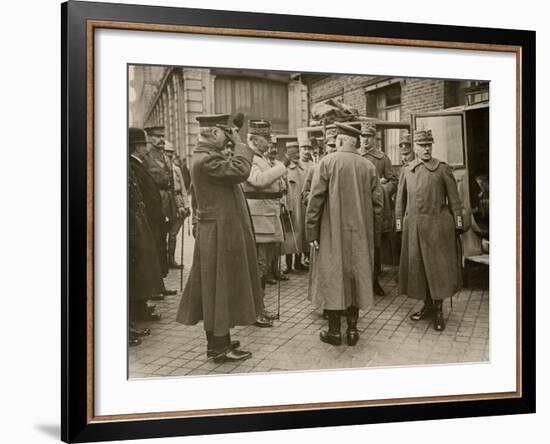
(429, 213)
(343, 220)
(295, 241)
(388, 180)
(157, 166)
(181, 203)
(306, 154)
(405, 149)
(143, 219)
(223, 288)
(263, 190)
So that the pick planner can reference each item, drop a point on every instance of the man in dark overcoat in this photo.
(143, 269)
(223, 289)
(388, 181)
(343, 219)
(429, 213)
(157, 165)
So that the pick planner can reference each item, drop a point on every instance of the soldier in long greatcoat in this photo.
(295, 242)
(388, 181)
(429, 213)
(156, 164)
(223, 288)
(343, 219)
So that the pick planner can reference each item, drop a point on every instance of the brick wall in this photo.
(417, 95)
(421, 95)
(349, 88)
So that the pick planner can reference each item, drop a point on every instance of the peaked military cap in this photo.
(168, 146)
(259, 127)
(292, 144)
(368, 129)
(157, 130)
(423, 137)
(136, 135)
(208, 120)
(346, 129)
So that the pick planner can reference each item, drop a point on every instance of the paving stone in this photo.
(387, 335)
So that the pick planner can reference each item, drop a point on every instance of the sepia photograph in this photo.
(297, 221)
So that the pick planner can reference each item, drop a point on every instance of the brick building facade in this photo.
(174, 96)
(177, 96)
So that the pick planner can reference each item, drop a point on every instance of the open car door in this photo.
(450, 145)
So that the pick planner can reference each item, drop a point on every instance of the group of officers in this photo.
(158, 197)
(249, 209)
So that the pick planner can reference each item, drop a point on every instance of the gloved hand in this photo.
(234, 136)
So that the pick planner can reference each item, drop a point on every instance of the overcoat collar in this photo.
(349, 150)
(431, 165)
(375, 152)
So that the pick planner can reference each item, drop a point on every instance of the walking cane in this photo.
(181, 255)
(279, 283)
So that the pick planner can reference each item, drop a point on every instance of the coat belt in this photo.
(259, 195)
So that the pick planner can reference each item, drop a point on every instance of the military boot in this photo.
(332, 335)
(352, 334)
(427, 311)
(439, 320)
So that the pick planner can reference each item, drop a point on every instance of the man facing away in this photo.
(263, 190)
(428, 211)
(223, 288)
(343, 220)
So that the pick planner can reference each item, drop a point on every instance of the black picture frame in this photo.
(77, 236)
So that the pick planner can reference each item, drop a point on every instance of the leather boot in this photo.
(378, 290)
(427, 311)
(352, 316)
(439, 320)
(332, 335)
(210, 350)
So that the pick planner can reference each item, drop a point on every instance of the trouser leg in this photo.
(352, 316)
(377, 262)
(162, 251)
(264, 262)
(288, 260)
(376, 272)
(175, 227)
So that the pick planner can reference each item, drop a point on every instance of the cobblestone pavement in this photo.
(387, 336)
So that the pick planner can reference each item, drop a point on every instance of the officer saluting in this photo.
(429, 212)
(223, 288)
